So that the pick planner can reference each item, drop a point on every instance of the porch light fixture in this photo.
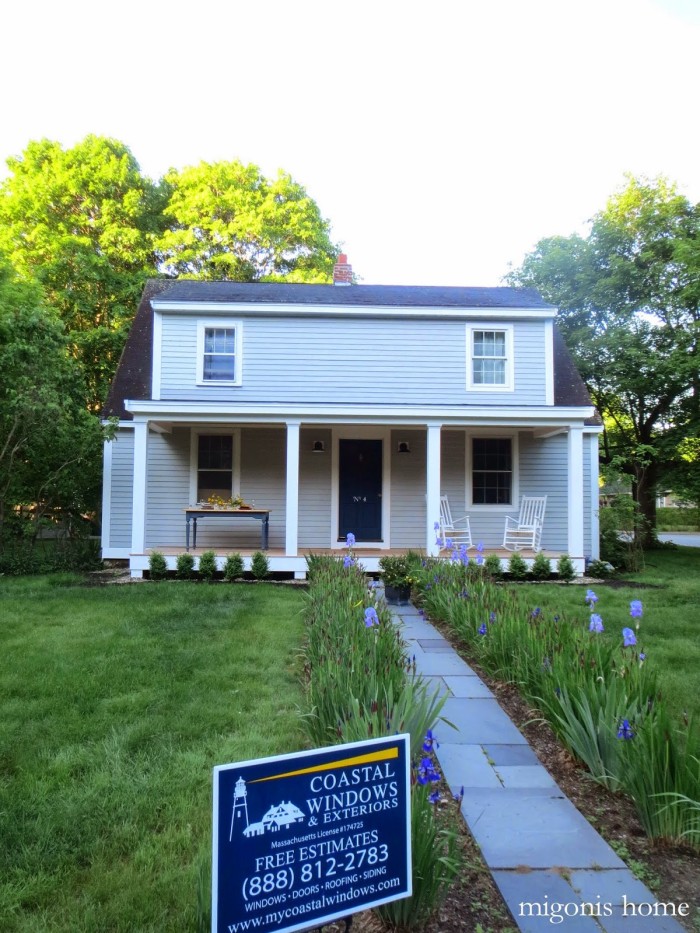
(404, 447)
(318, 448)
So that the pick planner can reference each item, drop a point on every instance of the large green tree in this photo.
(49, 442)
(629, 300)
(82, 222)
(227, 221)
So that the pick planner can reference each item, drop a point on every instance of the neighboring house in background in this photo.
(345, 408)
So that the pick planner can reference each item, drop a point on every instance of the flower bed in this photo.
(593, 683)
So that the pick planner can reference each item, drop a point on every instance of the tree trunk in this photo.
(644, 491)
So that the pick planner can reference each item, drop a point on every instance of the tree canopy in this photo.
(629, 300)
(226, 221)
(81, 222)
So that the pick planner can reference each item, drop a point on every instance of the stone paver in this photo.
(467, 685)
(551, 866)
(479, 721)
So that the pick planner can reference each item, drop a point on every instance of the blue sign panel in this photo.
(303, 839)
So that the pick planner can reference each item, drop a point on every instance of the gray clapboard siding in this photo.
(263, 479)
(315, 489)
(406, 362)
(544, 472)
(122, 489)
(168, 489)
(408, 490)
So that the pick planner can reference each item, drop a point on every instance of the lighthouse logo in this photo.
(278, 816)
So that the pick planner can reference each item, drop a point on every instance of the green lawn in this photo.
(116, 702)
(669, 632)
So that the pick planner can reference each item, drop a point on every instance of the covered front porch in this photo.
(379, 477)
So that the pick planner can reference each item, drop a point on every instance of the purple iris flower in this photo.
(482, 629)
(596, 624)
(629, 638)
(434, 797)
(348, 561)
(350, 540)
(429, 741)
(492, 617)
(636, 609)
(625, 730)
(371, 617)
(591, 598)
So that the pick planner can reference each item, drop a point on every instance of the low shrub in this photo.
(157, 566)
(492, 566)
(517, 568)
(565, 569)
(541, 567)
(260, 565)
(184, 566)
(678, 519)
(600, 569)
(233, 567)
(207, 566)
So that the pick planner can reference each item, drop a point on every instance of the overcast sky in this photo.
(442, 141)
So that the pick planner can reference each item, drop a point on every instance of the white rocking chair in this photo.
(526, 530)
(457, 530)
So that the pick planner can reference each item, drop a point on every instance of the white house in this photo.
(344, 408)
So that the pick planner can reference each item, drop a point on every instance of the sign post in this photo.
(303, 839)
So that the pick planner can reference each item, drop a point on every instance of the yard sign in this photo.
(303, 839)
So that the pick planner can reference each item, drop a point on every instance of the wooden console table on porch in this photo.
(191, 516)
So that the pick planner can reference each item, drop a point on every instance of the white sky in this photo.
(442, 140)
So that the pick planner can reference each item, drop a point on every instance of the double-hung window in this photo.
(214, 466)
(218, 353)
(489, 358)
(492, 470)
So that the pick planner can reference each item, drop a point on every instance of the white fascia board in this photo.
(122, 423)
(299, 310)
(533, 416)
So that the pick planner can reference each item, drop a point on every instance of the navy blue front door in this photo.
(360, 489)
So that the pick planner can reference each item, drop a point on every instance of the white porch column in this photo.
(595, 498)
(292, 520)
(432, 490)
(138, 514)
(576, 492)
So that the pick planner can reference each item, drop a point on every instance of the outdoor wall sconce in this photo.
(404, 447)
(318, 448)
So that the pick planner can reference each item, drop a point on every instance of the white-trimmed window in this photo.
(214, 476)
(219, 353)
(489, 358)
(492, 471)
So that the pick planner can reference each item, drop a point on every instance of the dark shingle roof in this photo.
(133, 376)
(403, 296)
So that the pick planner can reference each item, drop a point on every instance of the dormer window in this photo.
(219, 353)
(489, 358)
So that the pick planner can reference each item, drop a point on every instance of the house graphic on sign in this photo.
(277, 817)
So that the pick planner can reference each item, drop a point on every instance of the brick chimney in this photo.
(342, 271)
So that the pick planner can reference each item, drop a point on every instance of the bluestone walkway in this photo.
(545, 857)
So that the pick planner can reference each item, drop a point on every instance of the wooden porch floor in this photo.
(171, 551)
